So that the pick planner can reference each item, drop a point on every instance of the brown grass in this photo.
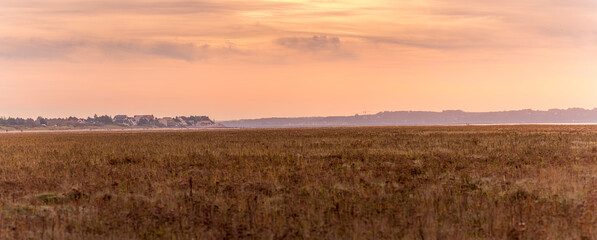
(490, 182)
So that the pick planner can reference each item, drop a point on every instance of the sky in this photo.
(286, 58)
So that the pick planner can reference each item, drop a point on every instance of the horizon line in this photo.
(315, 116)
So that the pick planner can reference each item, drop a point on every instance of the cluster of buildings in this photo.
(181, 121)
(122, 120)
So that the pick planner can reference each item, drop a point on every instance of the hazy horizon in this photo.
(298, 116)
(294, 58)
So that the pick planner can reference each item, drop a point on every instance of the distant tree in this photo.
(29, 122)
(15, 121)
(42, 120)
(105, 119)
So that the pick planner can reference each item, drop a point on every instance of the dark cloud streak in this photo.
(43, 49)
(311, 44)
(322, 46)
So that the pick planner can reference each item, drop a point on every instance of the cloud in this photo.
(447, 25)
(66, 7)
(319, 46)
(424, 38)
(197, 29)
(557, 22)
(36, 48)
(181, 51)
(437, 42)
(44, 49)
(311, 44)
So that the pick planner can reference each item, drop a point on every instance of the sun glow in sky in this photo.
(248, 59)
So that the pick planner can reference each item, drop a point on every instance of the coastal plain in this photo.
(441, 182)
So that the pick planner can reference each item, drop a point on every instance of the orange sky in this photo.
(248, 59)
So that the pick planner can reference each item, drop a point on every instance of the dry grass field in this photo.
(470, 182)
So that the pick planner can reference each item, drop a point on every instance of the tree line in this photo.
(29, 122)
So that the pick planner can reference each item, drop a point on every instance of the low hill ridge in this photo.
(413, 118)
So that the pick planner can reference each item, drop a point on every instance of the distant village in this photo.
(149, 121)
